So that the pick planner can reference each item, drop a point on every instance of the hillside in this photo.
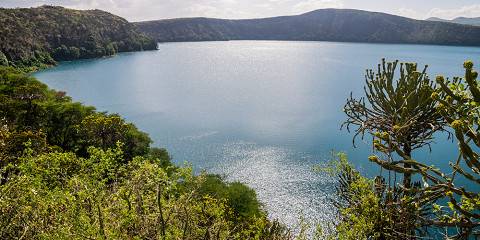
(321, 25)
(38, 36)
(459, 20)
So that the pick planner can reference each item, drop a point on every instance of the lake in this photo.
(260, 112)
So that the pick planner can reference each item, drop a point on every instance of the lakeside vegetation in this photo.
(70, 172)
(402, 110)
(32, 38)
(475, 21)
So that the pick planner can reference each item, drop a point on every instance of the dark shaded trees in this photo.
(29, 106)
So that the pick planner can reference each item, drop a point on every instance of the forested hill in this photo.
(459, 20)
(38, 36)
(320, 25)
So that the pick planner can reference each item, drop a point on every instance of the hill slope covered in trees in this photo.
(459, 20)
(43, 35)
(321, 25)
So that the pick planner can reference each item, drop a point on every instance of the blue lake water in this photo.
(263, 113)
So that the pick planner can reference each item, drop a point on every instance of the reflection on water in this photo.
(263, 113)
(285, 185)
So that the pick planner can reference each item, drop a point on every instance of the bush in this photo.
(105, 131)
(241, 198)
(59, 195)
(161, 157)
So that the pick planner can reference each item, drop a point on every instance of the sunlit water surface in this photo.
(263, 113)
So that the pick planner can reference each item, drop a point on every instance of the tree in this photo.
(402, 117)
(3, 59)
(104, 131)
(239, 197)
(161, 156)
(111, 49)
(450, 198)
(460, 106)
(74, 52)
(14, 145)
(62, 116)
(400, 113)
(28, 96)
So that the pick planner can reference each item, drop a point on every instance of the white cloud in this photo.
(408, 12)
(465, 11)
(136, 10)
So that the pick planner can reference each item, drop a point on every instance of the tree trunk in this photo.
(407, 177)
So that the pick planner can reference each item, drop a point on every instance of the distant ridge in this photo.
(345, 25)
(437, 19)
(459, 20)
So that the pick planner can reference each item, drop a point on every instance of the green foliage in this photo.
(38, 59)
(3, 59)
(104, 131)
(361, 211)
(369, 209)
(63, 53)
(59, 195)
(401, 116)
(28, 105)
(242, 199)
(63, 118)
(400, 113)
(444, 201)
(14, 145)
(161, 157)
(459, 104)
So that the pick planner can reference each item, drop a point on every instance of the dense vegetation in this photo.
(321, 25)
(34, 37)
(402, 114)
(69, 172)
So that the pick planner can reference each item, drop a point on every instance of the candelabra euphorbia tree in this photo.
(399, 112)
(460, 106)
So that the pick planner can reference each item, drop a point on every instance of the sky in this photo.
(139, 10)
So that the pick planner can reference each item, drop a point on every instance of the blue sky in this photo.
(135, 10)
